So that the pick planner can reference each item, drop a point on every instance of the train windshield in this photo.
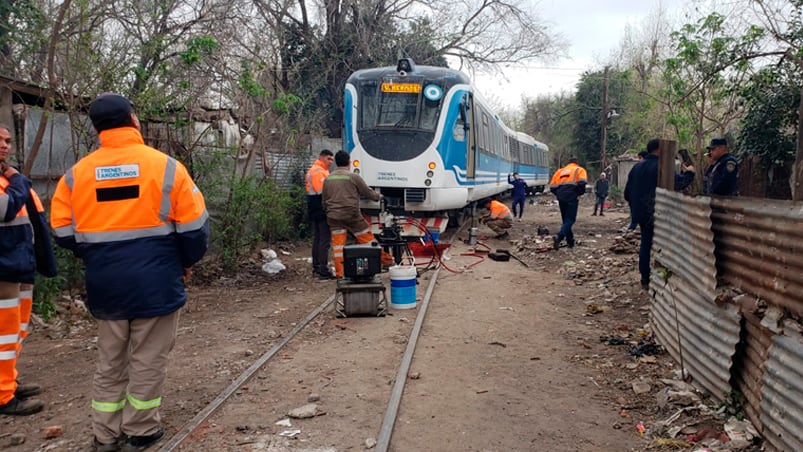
(412, 105)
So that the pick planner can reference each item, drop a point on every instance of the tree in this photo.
(320, 47)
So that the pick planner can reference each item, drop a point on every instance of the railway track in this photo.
(187, 437)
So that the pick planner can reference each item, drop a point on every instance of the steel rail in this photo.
(386, 431)
(204, 414)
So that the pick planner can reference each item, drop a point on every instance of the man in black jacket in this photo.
(640, 193)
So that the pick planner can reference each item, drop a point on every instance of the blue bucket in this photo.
(402, 287)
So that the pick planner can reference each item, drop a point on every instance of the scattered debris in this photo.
(52, 431)
(304, 412)
(272, 263)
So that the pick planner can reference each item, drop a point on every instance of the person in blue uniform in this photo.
(519, 193)
(722, 175)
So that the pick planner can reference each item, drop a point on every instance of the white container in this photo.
(402, 286)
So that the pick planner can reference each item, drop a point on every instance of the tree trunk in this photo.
(51, 91)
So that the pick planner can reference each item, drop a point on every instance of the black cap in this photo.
(719, 141)
(109, 111)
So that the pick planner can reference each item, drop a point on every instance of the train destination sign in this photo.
(401, 88)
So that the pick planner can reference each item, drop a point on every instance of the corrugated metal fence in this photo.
(728, 298)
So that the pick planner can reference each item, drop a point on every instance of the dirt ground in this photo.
(552, 353)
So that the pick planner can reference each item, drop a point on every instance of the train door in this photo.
(467, 109)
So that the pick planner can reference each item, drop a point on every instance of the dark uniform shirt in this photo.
(641, 184)
(721, 177)
(519, 187)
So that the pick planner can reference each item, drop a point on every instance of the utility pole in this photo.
(604, 121)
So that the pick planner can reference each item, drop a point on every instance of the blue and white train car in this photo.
(430, 144)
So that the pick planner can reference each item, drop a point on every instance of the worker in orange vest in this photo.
(139, 222)
(341, 201)
(321, 238)
(568, 184)
(19, 209)
(498, 218)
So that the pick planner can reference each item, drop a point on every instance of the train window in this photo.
(368, 104)
(459, 130)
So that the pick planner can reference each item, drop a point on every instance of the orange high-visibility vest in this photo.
(315, 177)
(499, 210)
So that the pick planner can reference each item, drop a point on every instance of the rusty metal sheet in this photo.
(704, 336)
(684, 242)
(748, 371)
(781, 403)
(759, 245)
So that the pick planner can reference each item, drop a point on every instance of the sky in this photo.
(593, 28)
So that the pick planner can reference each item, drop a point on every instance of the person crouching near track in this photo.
(139, 222)
(498, 219)
(341, 202)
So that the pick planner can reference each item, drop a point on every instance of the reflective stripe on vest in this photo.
(165, 205)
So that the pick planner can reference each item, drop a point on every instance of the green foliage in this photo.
(256, 209)
(284, 103)
(249, 84)
(770, 126)
(47, 290)
(623, 132)
(197, 48)
(616, 193)
(22, 33)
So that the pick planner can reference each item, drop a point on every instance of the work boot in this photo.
(17, 407)
(25, 391)
(137, 443)
(594, 214)
(555, 243)
(503, 235)
(98, 446)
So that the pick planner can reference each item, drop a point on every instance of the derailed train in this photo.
(425, 138)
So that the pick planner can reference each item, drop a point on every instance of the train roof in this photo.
(452, 76)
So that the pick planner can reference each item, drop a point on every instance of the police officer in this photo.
(139, 222)
(721, 176)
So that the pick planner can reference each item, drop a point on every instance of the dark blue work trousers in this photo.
(647, 229)
(568, 213)
(518, 202)
(321, 240)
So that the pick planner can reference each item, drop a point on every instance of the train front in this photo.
(405, 132)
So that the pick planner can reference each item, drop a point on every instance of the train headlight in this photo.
(432, 165)
(356, 163)
(427, 182)
(430, 174)
(356, 171)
